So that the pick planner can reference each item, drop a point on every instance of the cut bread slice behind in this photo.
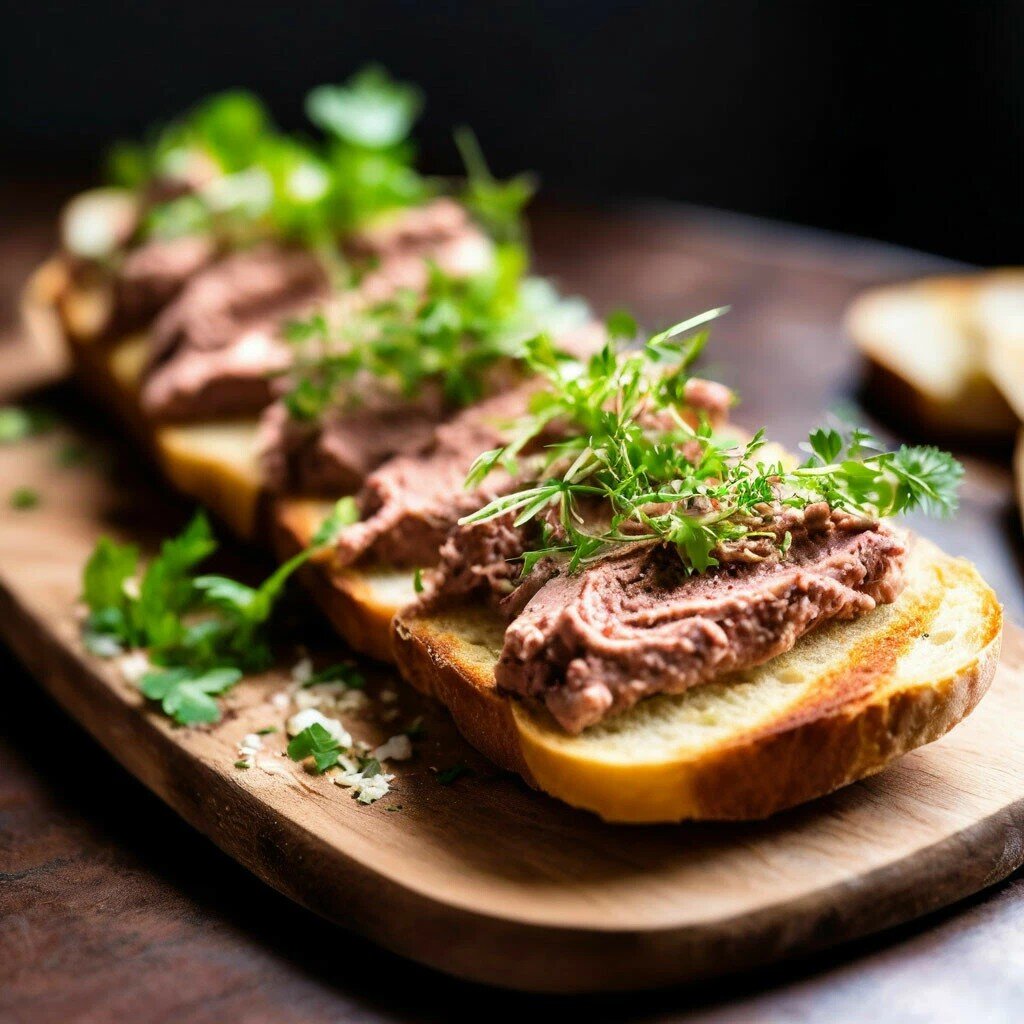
(1000, 317)
(844, 703)
(926, 357)
(216, 463)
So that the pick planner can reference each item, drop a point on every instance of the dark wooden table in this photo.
(112, 909)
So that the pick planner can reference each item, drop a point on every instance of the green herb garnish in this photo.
(24, 498)
(451, 336)
(186, 693)
(316, 742)
(71, 454)
(244, 179)
(447, 776)
(344, 672)
(201, 633)
(628, 449)
(18, 423)
(498, 205)
(372, 111)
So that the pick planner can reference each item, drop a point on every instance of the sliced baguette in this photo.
(842, 705)
(215, 463)
(926, 356)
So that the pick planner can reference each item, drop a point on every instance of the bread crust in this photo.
(854, 723)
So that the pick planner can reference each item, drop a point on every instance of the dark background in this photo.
(897, 120)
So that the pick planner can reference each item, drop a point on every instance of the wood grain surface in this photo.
(813, 276)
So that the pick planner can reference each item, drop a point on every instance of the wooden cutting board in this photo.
(484, 878)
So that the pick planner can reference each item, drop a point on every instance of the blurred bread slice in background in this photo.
(927, 352)
(999, 312)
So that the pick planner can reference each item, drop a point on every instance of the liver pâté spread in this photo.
(635, 619)
(411, 502)
(216, 347)
(593, 643)
(218, 344)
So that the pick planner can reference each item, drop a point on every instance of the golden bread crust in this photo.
(855, 718)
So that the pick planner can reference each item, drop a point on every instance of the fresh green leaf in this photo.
(498, 205)
(345, 513)
(18, 423)
(621, 325)
(107, 572)
(186, 695)
(447, 776)
(71, 454)
(316, 742)
(372, 110)
(202, 631)
(23, 498)
(344, 672)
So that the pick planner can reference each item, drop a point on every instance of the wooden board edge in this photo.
(477, 946)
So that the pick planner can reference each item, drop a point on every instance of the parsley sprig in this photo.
(201, 633)
(316, 742)
(629, 467)
(452, 335)
(239, 177)
(497, 205)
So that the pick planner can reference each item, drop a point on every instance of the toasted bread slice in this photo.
(926, 356)
(1000, 315)
(215, 463)
(846, 701)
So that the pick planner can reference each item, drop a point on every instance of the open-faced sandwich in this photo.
(210, 282)
(636, 605)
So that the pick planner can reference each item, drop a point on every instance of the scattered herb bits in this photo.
(446, 776)
(24, 498)
(316, 743)
(18, 423)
